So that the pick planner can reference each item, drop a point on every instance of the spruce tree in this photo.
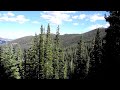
(73, 61)
(32, 60)
(78, 60)
(48, 56)
(67, 66)
(85, 61)
(111, 47)
(41, 54)
(24, 63)
(27, 64)
(61, 64)
(95, 57)
(10, 63)
(35, 57)
(82, 62)
(19, 59)
(56, 55)
(1, 66)
(66, 70)
(3, 74)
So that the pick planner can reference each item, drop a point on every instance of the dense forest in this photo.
(48, 59)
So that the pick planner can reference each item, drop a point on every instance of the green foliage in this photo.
(61, 64)
(9, 62)
(24, 64)
(52, 56)
(3, 75)
(111, 46)
(65, 70)
(41, 54)
(96, 54)
(66, 39)
(79, 60)
(48, 56)
(19, 58)
(56, 55)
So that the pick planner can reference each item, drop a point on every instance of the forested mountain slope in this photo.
(66, 39)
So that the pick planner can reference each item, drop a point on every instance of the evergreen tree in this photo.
(65, 70)
(19, 59)
(95, 56)
(78, 60)
(61, 64)
(41, 54)
(1, 66)
(32, 60)
(48, 56)
(3, 75)
(85, 61)
(56, 55)
(35, 57)
(10, 63)
(73, 61)
(82, 62)
(27, 64)
(111, 47)
(67, 64)
(24, 63)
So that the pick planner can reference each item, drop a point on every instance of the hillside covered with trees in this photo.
(65, 40)
(81, 57)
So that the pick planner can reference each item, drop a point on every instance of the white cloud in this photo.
(107, 25)
(82, 16)
(69, 11)
(96, 26)
(10, 17)
(21, 19)
(96, 17)
(4, 18)
(82, 23)
(15, 34)
(57, 17)
(75, 17)
(35, 22)
(61, 11)
(10, 14)
(75, 24)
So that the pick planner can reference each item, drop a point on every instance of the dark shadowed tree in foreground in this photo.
(111, 47)
(95, 57)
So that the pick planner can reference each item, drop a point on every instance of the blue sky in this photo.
(16, 24)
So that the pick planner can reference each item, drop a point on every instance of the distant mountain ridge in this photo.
(66, 39)
(4, 40)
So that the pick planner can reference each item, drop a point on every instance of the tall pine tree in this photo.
(56, 55)
(3, 74)
(19, 58)
(10, 63)
(111, 47)
(95, 57)
(81, 63)
(61, 64)
(41, 54)
(48, 55)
